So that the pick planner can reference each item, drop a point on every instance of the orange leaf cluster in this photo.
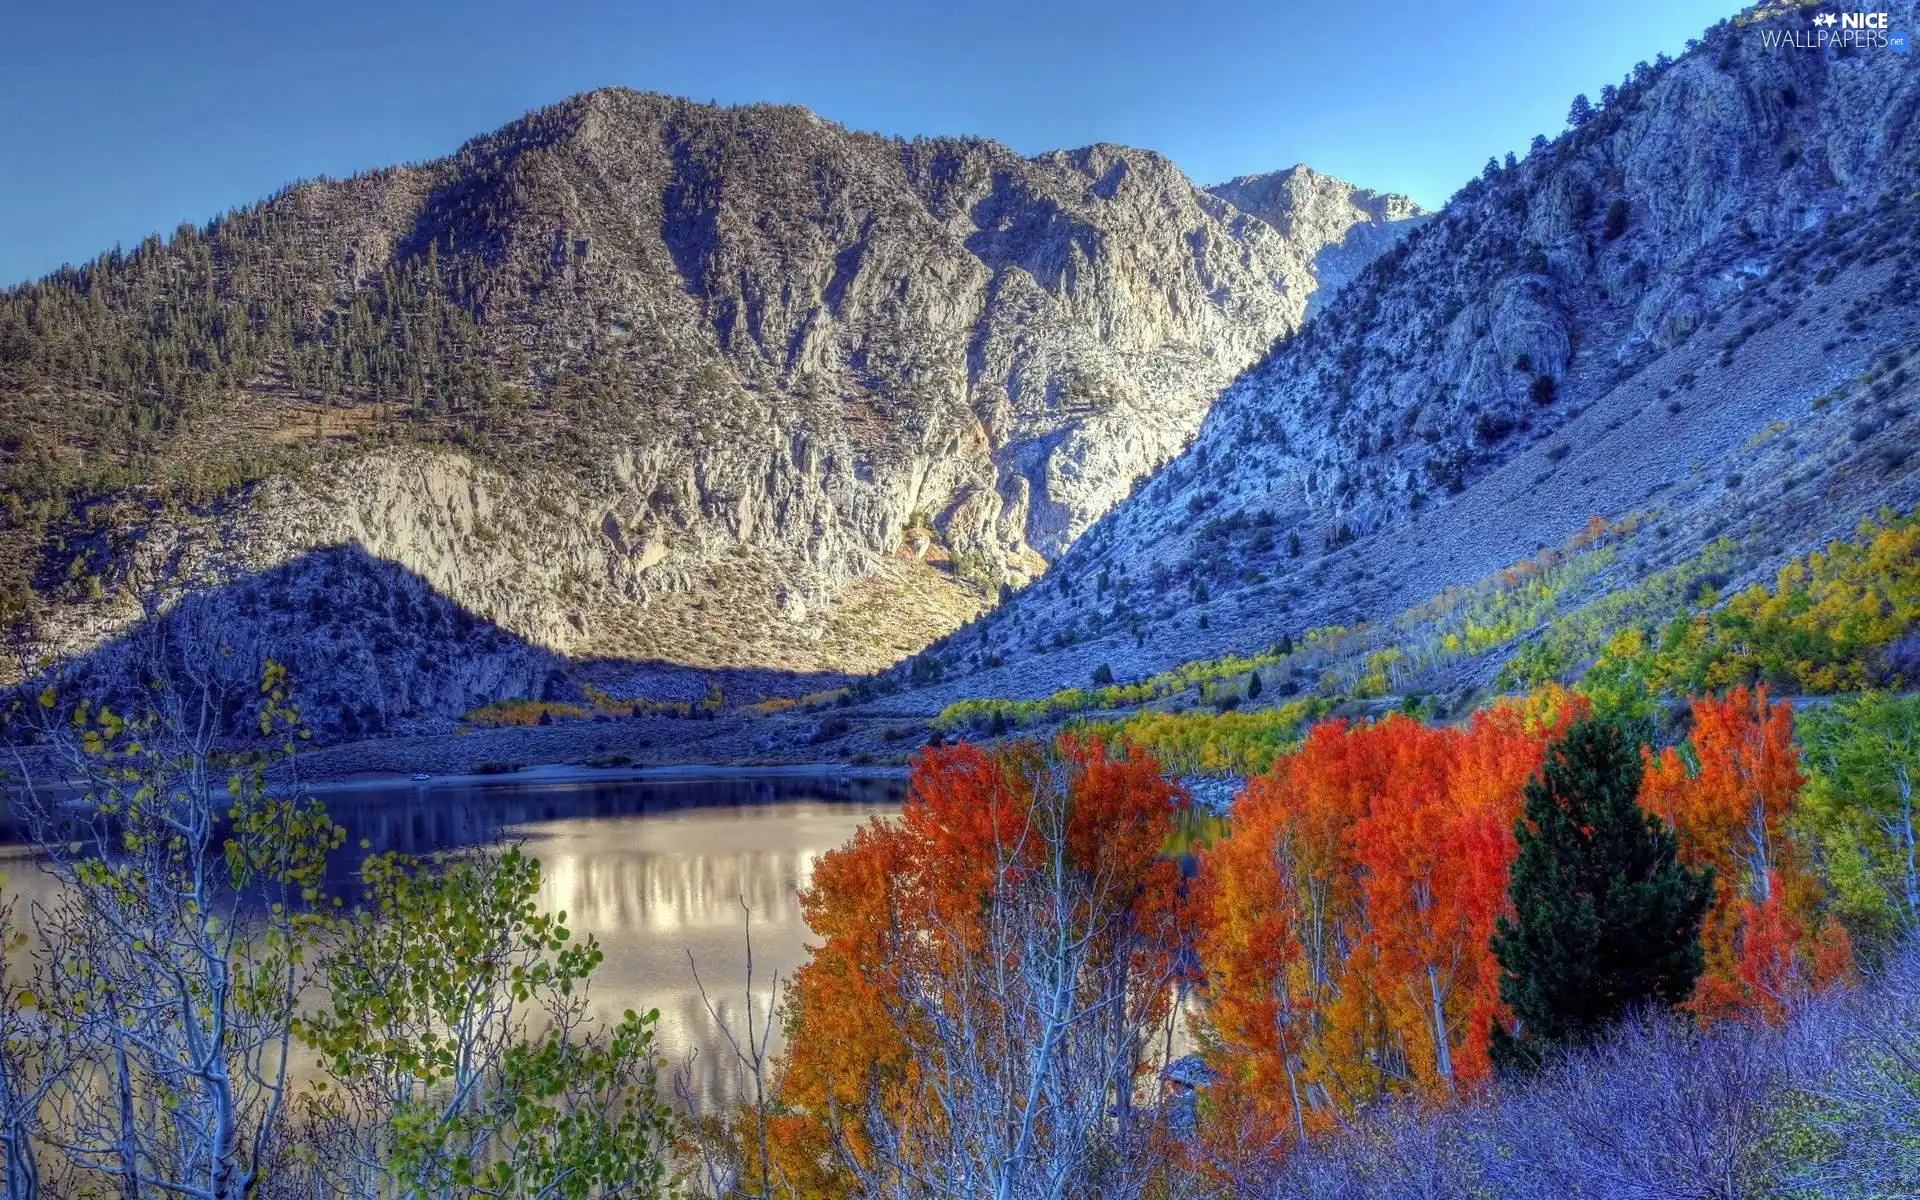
(1345, 923)
(908, 898)
(1729, 797)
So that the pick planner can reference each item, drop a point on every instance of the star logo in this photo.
(1826, 19)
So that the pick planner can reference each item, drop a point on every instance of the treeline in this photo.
(598, 706)
(1844, 618)
(134, 346)
(1199, 742)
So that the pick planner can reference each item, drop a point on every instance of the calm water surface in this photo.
(656, 869)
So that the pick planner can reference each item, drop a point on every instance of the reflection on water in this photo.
(656, 869)
(664, 893)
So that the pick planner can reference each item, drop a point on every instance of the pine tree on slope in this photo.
(1606, 919)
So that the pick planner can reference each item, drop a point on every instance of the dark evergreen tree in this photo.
(1617, 215)
(1581, 112)
(1606, 918)
(1254, 686)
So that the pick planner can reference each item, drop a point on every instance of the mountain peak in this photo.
(1687, 314)
(1283, 198)
(721, 387)
(1349, 225)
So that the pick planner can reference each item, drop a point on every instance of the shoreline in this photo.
(636, 748)
(549, 773)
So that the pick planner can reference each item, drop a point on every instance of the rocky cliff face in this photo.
(1695, 306)
(1351, 226)
(642, 378)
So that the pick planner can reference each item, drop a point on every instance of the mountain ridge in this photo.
(637, 378)
(1694, 308)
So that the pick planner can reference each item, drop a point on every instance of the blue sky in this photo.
(123, 117)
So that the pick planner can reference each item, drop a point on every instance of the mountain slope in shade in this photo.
(640, 378)
(1697, 309)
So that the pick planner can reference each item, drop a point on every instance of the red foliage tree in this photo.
(921, 905)
(1346, 920)
(1729, 796)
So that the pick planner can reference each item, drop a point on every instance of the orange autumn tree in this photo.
(1346, 920)
(1730, 795)
(990, 971)
(1436, 852)
(1281, 910)
(844, 1052)
(1407, 847)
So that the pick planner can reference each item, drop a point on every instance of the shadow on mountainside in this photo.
(373, 650)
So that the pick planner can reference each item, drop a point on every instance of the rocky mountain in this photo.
(639, 379)
(1351, 226)
(1695, 308)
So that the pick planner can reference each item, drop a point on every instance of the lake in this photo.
(656, 869)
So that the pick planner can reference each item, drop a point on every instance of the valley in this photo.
(694, 649)
(757, 504)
